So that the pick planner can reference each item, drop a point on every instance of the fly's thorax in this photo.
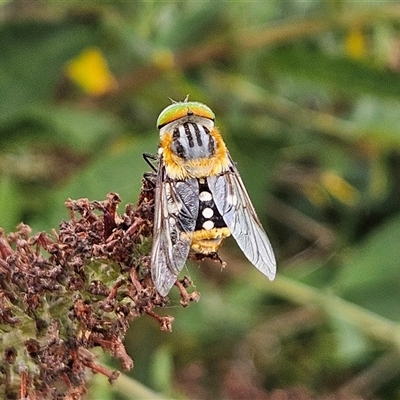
(192, 141)
(191, 137)
(193, 149)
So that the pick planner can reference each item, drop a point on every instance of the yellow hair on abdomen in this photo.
(209, 241)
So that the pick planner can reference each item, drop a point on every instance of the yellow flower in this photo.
(89, 70)
(355, 43)
(339, 188)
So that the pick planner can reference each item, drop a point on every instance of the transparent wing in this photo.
(234, 204)
(176, 209)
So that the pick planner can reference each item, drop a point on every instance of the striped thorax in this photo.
(190, 144)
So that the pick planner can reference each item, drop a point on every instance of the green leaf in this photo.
(32, 58)
(81, 130)
(192, 27)
(10, 204)
(336, 73)
(376, 259)
(118, 170)
(379, 118)
(351, 345)
(371, 274)
(162, 369)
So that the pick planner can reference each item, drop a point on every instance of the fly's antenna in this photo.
(176, 102)
(189, 111)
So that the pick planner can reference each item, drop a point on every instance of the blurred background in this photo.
(307, 96)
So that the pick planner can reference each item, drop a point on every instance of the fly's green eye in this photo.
(182, 109)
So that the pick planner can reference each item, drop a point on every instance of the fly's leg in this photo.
(151, 160)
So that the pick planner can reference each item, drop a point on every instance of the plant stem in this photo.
(370, 323)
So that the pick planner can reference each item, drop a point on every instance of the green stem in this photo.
(366, 321)
(126, 385)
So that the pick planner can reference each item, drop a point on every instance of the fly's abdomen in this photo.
(209, 216)
(192, 141)
(210, 229)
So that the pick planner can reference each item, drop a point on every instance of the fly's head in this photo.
(178, 113)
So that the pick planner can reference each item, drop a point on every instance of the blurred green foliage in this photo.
(307, 96)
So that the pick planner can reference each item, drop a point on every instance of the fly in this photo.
(200, 198)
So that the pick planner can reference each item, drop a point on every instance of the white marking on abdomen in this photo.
(208, 225)
(208, 212)
(205, 196)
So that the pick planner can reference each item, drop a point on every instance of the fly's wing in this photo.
(233, 203)
(176, 209)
